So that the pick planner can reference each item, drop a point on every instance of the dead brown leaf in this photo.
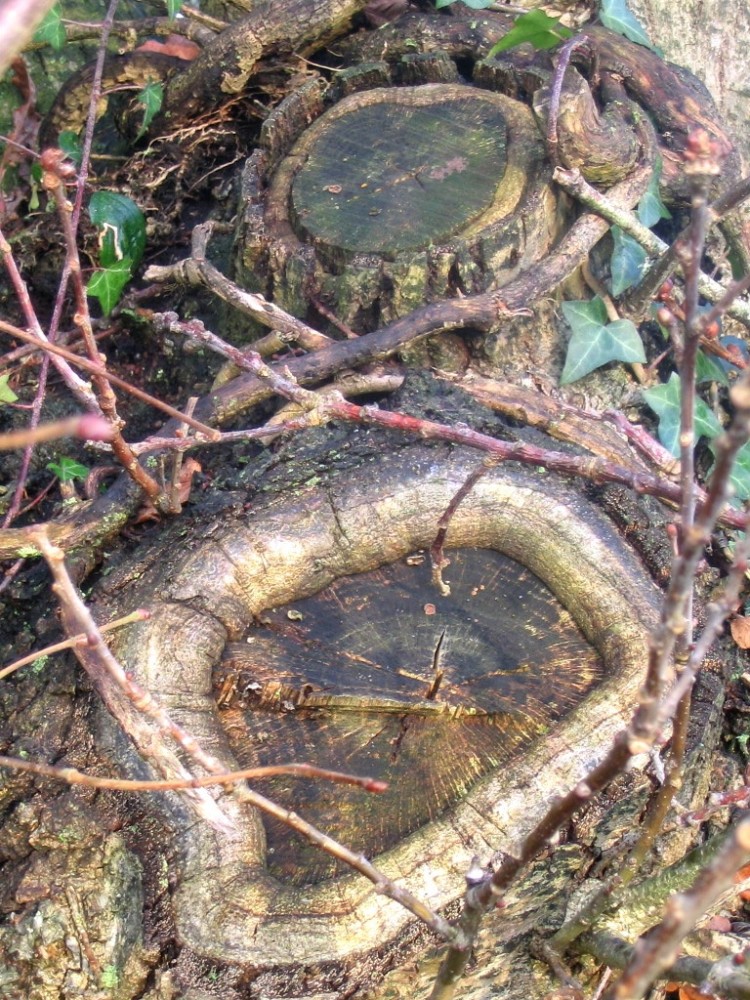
(740, 628)
(175, 45)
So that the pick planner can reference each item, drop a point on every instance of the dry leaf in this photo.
(184, 484)
(175, 45)
(685, 992)
(740, 628)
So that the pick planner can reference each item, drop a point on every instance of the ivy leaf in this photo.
(628, 263)
(173, 8)
(67, 469)
(51, 31)
(616, 16)
(70, 144)
(708, 369)
(122, 227)
(740, 474)
(595, 341)
(664, 400)
(151, 97)
(651, 208)
(6, 393)
(537, 28)
(107, 284)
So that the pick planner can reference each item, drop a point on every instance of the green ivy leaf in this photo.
(628, 263)
(664, 400)
(616, 16)
(708, 369)
(122, 228)
(595, 341)
(740, 474)
(651, 208)
(173, 8)
(70, 144)
(51, 31)
(67, 469)
(537, 28)
(151, 97)
(107, 284)
(6, 393)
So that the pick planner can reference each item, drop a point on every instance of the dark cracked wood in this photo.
(380, 675)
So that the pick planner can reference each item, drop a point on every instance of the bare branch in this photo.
(658, 949)
(72, 776)
(125, 699)
(88, 428)
(97, 368)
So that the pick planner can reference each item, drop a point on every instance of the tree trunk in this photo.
(711, 39)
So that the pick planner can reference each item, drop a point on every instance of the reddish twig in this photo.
(54, 171)
(334, 406)
(72, 776)
(648, 446)
(140, 716)
(437, 559)
(80, 388)
(88, 428)
(596, 469)
(576, 44)
(128, 702)
(98, 368)
(653, 710)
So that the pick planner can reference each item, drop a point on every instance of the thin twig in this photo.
(596, 469)
(76, 640)
(125, 699)
(726, 979)
(128, 701)
(651, 714)
(53, 172)
(88, 428)
(80, 389)
(573, 182)
(98, 368)
(72, 776)
(576, 44)
(657, 950)
(358, 862)
(437, 559)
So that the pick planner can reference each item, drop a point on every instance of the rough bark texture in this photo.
(712, 39)
(225, 67)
